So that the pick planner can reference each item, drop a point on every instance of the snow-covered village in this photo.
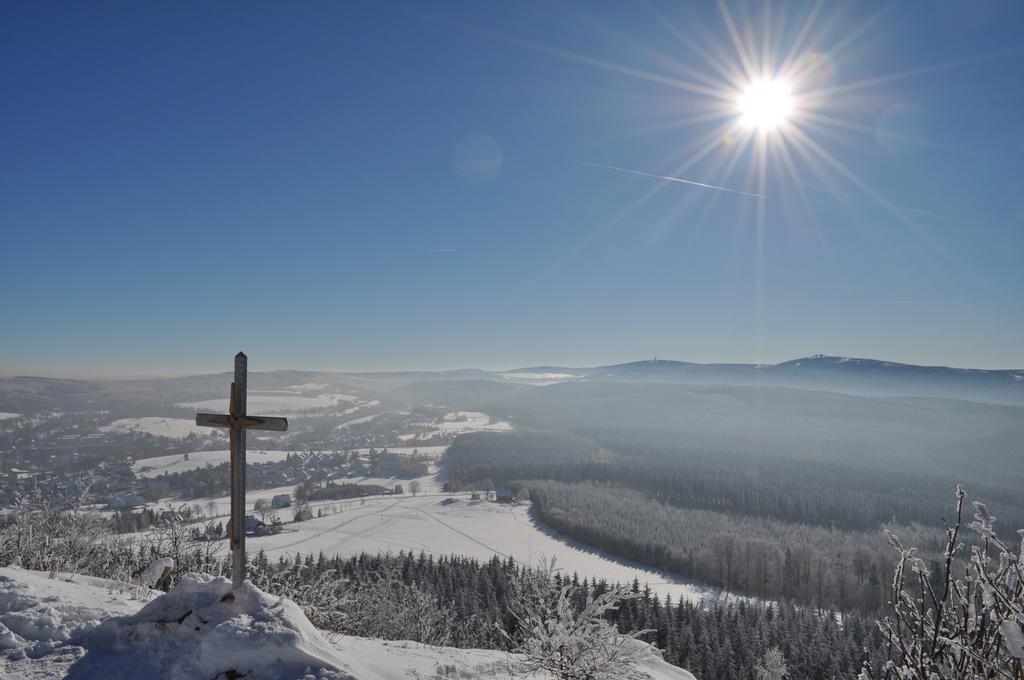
(581, 340)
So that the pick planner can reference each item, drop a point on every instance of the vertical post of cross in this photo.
(237, 421)
(238, 398)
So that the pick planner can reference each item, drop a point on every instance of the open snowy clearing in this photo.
(55, 628)
(459, 422)
(154, 467)
(174, 428)
(5, 415)
(270, 403)
(308, 387)
(356, 421)
(443, 524)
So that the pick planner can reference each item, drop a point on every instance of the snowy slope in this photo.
(56, 628)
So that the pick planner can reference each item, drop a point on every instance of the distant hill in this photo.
(868, 377)
(464, 387)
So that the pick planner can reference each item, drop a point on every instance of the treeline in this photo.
(712, 640)
(770, 559)
(793, 489)
(773, 527)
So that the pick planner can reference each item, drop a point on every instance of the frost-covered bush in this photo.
(322, 595)
(54, 534)
(388, 608)
(57, 534)
(383, 606)
(966, 622)
(569, 643)
(772, 666)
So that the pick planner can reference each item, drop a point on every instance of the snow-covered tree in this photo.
(966, 624)
(772, 666)
(568, 643)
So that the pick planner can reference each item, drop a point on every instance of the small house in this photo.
(281, 500)
(254, 527)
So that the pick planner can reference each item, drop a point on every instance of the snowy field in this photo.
(537, 379)
(175, 428)
(56, 628)
(154, 467)
(272, 403)
(4, 415)
(459, 422)
(356, 421)
(473, 528)
(432, 522)
(308, 387)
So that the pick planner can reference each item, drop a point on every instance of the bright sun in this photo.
(765, 104)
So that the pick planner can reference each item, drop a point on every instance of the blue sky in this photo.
(398, 185)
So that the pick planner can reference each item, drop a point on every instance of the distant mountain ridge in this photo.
(853, 375)
(857, 376)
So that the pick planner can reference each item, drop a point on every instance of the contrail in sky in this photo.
(672, 179)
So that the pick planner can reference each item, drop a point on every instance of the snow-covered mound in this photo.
(203, 628)
(80, 629)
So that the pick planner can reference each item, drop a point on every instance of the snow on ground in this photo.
(538, 379)
(272, 404)
(458, 422)
(154, 467)
(308, 387)
(221, 505)
(356, 421)
(39, 617)
(5, 415)
(175, 428)
(441, 524)
(432, 523)
(54, 628)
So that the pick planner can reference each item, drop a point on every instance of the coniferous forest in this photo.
(772, 527)
(723, 640)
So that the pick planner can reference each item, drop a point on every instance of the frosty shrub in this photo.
(572, 644)
(51, 532)
(384, 606)
(55, 533)
(323, 596)
(390, 609)
(966, 622)
(772, 666)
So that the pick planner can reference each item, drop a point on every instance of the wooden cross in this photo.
(238, 421)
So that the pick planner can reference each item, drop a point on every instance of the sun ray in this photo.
(718, 65)
(724, 178)
(824, 121)
(710, 142)
(923, 70)
(741, 51)
(794, 176)
(595, 62)
(786, 64)
(852, 36)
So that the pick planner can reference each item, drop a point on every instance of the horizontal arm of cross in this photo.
(245, 422)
